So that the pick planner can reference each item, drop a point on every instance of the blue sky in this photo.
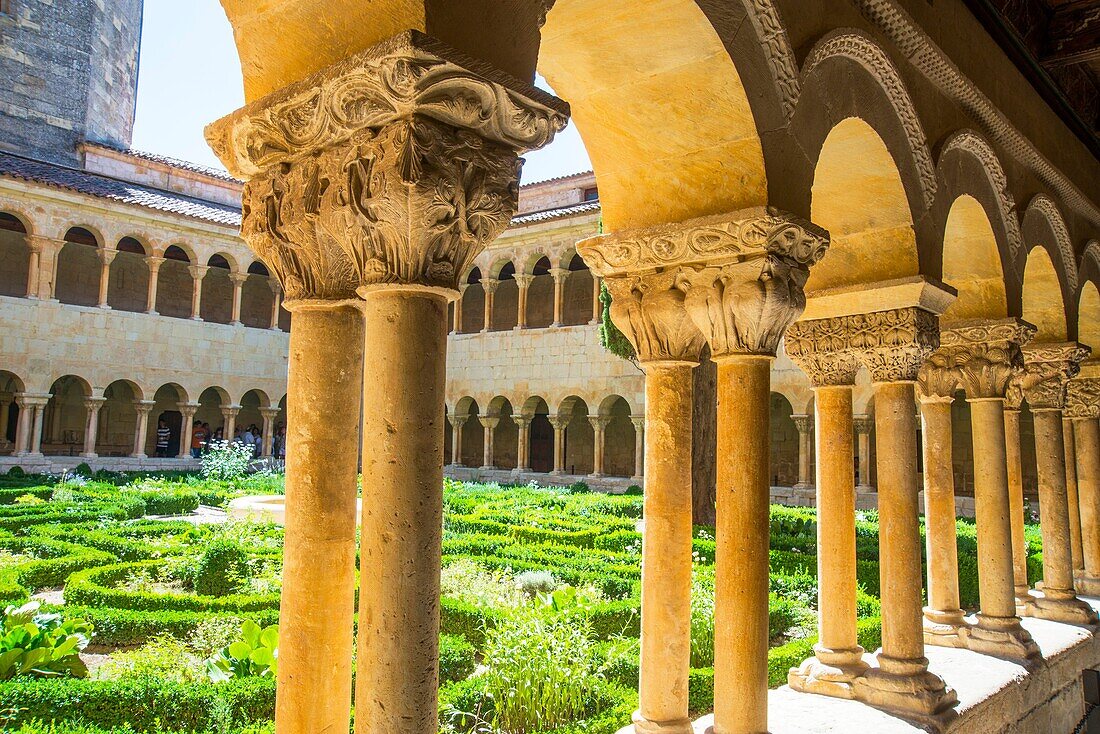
(190, 76)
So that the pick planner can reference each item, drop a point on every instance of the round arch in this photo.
(128, 284)
(1042, 297)
(620, 436)
(66, 416)
(1088, 317)
(972, 263)
(579, 436)
(216, 305)
(784, 442)
(79, 268)
(15, 255)
(10, 385)
(472, 303)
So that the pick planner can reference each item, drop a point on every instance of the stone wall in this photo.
(68, 74)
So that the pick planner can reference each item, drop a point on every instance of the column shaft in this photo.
(1088, 484)
(666, 552)
(639, 447)
(943, 613)
(1072, 501)
(995, 573)
(141, 431)
(1053, 509)
(864, 459)
(154, 276)
(323, 392)
(1016, 502)
(32, 271)
(23, 428)
(36, 431)
(741, 564)
(104, 276)
(397, 679)
(185, 431)
(91, 427)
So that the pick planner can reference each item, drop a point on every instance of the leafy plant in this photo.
(535, 583)
(162, 658)
(41, 645)
(225, 461)
(256, 654)
(221, 569)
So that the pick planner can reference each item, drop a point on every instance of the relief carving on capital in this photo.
(650, 311)
(978, 357)
(1047, 370)
(1083, 398)
(741, 275)
(394, 167)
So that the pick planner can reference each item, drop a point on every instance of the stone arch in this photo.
(579, 436)
(211, 401)
(619, 441)
(65, 418)
(506, 297)
(174, 283)
(216, 305)
(540, 436)
(784, 442)
(540, 294)
(972, 263)
(118, 418)
(1043, 222)
(10, 385)
(880, 78)
(128, 284)
(257, 298)
(505, 433)
(78, 268)
(15, 255)
(473, 303)
(969, 165)
(250, 416)
(578, 296)
(1088, 316)
(166, 407)
(1043, 304)
(471, 451)
(858, 194)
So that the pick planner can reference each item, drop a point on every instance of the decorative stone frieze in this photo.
(891, 344)
(735, 280)
(979, 357)
(394, 167)
(1083, 398)
(1047, 370)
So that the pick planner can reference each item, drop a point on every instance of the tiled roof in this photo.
(176, 163)
(552, 179)
(104, 187)
(546, 215)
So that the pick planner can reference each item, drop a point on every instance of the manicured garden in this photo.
(120, 621)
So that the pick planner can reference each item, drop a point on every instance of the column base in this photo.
(196, 318)
(942, 628)
(89, 455)
(596, 475)
(921, 697)
(637, 480)
(236, 323)
(1068, 610)
(643, 725)
(104, 306)
(139, 456)
(1001, 637)
(486, 467)
(1086, 584)
(830, 673)
(557, 473)
(804, 485)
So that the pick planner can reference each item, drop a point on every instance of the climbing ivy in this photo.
(611, 338)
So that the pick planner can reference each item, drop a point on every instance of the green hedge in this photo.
(143, 705)
(54, 563)
(96, 588)
(127, 627)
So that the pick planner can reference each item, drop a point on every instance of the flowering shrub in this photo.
(225, 461)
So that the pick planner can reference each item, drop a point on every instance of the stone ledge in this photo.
(61, 464)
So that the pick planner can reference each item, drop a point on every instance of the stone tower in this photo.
(68, 74)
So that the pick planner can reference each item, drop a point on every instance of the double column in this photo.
(142, 409)
(198, 272)
(106, 257)
(457, 422)
(671, 298)
(489, 425)
(523, 453)
(187, 410)
(269, 415)
(1043, 382)
(92, 406)
(154, 264)
(365, 270)
(1083, 413)
(891, 344)
(28, 431)
(805, 426)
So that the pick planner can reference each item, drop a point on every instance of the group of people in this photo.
(202, 436)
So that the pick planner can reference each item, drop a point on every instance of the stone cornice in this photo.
(978, 357)
(1083, 399)
(1047, 370)
(409, 74)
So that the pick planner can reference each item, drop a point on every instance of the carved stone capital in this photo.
(144, 407)
(394, 167)
(522, 421)
(489, 421)
(1047, 370)
(154, 262)
(490, 285)
(742, 273)
(650, 311)
(818, 351)
(559, 422)
(238, 278)
(638, 421)
(106, 257)
(863, 423)
(599, 422)
(1083, 398)
(188, 410)
(523, 282)
(198, 272)
(804, 423)
(978, 357)
(457, 421)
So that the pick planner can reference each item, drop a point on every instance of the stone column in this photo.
(489, 424)
(421, 175)
(457, 421)
(35, 245)
(1048, 367)
(896, 342)
(737, 300)
(198, 272)
(639, 447)
(238, 280)
(269, 415)
(1072, 501)
(489, 286)
(92, 407)
(187, 410)
(154, 264)
(838, 656)
(523, 452)
(48, 250)
(981, 357)
(1014, 465)
(559, 275)
(141, 430)
(1083, 408)
(39, 407)
(229, 418)
(5, 413)
(23, 424)
(597, 307)
(863, 425)
(805, 426)
(458, 308)
(106, 257)
(559, 422)
(276, 302)
(599, 435)
(523, 282)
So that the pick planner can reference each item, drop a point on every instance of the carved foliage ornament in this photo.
(968, 141)
(735, 280)
(1083, 399)
(979, 358)
(890, 344)
(1047, 369)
